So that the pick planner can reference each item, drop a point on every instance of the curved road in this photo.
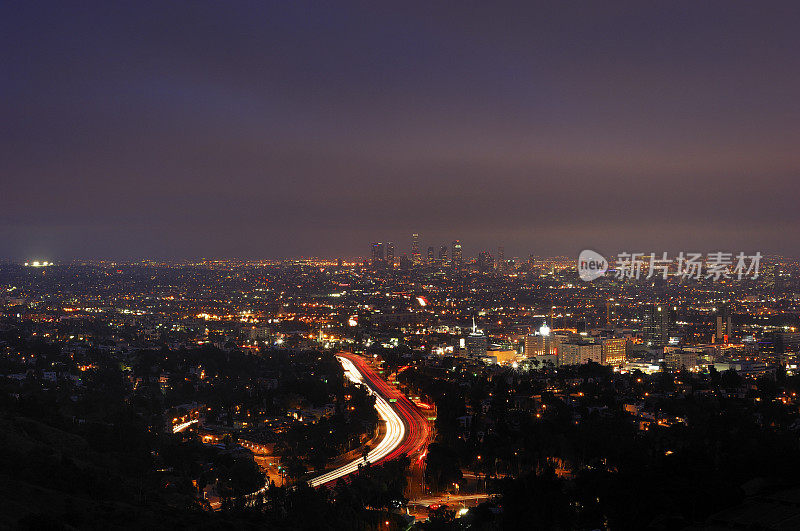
(407, 431)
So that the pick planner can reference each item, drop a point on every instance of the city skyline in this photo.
(395, 252)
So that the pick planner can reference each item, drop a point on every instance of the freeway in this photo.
(180, 427)
(407, 431)
(451, 499)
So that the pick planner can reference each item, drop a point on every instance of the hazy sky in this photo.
(260, 129)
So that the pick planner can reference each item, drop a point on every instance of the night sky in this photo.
(268, 130)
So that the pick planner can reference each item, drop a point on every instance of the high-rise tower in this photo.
(457, 261)
(723, 321)
(416, 257)
(656, 325)
(377, 254)
(443, 255)
(390, 254)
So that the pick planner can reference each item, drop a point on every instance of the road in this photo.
(407, 431)
(451, 499)
(180, 427)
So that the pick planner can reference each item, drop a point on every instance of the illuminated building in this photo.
(786, 342)
(476, 342)
(578, 353)
(680, 359)
(540, 343)
(562, 336)
(501, 260)
(390, 254)
(430, 256)
(485, 262)
(416, 258)
(377, 254)
(502, 357)
(443, 255)
(656, 325)
(258, 333)
(614, 351)
(457, 260)
(723, 321)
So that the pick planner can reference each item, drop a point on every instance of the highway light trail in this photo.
(395, 429)
(180, 427)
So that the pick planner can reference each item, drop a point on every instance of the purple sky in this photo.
(259, 130)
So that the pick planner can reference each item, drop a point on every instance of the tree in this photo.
(441, 466)
(246, 477)
(730, 379)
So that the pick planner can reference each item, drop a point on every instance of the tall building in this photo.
(377, 254)
(390, 254)
(679, 359)
(416, 258)
(534, 345)
(614, 351)
(501, 260)
(560, 337)
(579, 353)
(786, 342)
(656, 325)
(430, 256)
(540, 343)
(723, 331)
(485, 262)
(476, 343)
(443, 255)
(457, 260)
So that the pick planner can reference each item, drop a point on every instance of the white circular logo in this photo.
(591, 265)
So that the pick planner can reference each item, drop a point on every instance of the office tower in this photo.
(579, 353)
(377, 254)
(476, 343)
(723, 321)
(457, 260)
(539, 343)
(614, 351)
(560, 337)
(536, 345)
(430, 256)
(679, 359)
(501, 260)
(390, 254)
(485, 262)
(786, 342)
(416, 258)
(656, 325)
(443, 255)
